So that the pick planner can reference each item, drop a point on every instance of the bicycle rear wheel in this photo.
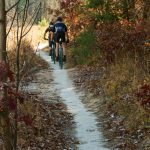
(60, 58)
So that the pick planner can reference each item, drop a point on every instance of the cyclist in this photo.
(49, 31)
(60, 32)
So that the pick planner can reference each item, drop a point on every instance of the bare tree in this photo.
(23, 26)
(2, 30)
(4, 118)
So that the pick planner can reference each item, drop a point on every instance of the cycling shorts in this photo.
(58, 36)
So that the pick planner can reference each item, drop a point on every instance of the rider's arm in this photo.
(51, 36)
(52, 33)
(67, 36)
(45, 35)
(47, 30)
(66, 33)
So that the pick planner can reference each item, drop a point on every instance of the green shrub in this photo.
(94, 3)
(43, 22)
(107, 17)
(85, 47)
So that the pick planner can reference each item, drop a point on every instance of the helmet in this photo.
(59, 19)
(51, 23)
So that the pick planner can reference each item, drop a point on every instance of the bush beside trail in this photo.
(117, 73)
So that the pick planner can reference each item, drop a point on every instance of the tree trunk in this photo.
(2, 31)
(4, 118)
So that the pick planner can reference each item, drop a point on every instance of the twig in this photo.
(32, 23)
(12, 23)
(13, 6)
(38, 7)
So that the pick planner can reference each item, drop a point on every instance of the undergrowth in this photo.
(84, 48)
(123, 89)
(123, 60)
(29, 60)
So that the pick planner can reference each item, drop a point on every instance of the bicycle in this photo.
(53, 55)
(52, 51)
(60, 54)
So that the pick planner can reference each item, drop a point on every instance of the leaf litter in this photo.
(114, 126)
(52, 125)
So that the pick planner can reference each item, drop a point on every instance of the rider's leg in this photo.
(64, 50)
(56, 51)
(57, 37)
(64, 45)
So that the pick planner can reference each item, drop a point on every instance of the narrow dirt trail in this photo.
(86, 129)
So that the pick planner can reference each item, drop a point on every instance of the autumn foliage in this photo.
(12, 95)
(119, 40)
(115, 58)
(143, 95)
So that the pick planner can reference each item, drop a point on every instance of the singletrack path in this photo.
(86, 129)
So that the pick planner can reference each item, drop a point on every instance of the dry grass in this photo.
(29, 61)
(35, 36)
(115, 87)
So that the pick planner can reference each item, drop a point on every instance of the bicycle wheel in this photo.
(60, 57)
(53, 54)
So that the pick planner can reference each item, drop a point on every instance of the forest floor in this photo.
(113, 127)
(53, 124)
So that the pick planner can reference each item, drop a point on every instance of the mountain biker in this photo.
(60, 32)
(49, 31)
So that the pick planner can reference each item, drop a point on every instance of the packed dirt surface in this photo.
(52, 125)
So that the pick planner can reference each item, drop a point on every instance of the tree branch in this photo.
(34, 14)
(13, 6)
(12, 23)
(38, 9)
